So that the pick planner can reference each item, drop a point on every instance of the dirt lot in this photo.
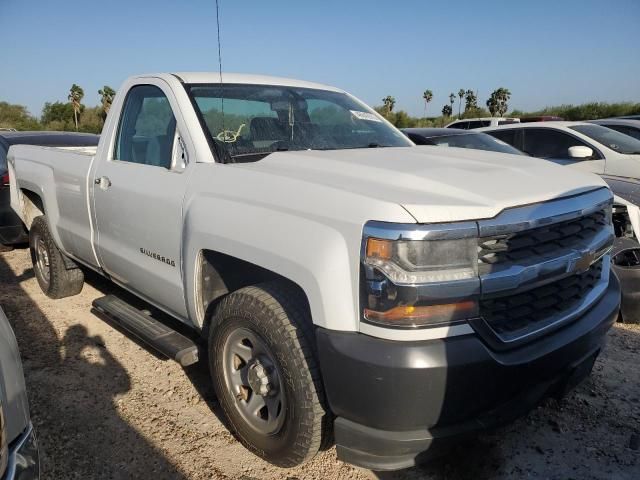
(107, 408)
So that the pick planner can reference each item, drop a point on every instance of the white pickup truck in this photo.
(342, 279)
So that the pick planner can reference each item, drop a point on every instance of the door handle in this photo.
(103, 182)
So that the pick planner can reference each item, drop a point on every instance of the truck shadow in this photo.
(74, 385)
(197, 374)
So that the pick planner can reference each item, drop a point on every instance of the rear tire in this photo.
(58, 277)
(265, 374)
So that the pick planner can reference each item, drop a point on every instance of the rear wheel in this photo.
(57, 276)
(265, 374)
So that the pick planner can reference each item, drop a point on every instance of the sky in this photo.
(545, 52)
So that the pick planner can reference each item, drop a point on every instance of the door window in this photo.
(147, 128)
(548, 143)
(507, 135)
(632, 132)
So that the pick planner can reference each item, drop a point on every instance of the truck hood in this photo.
(433, 184)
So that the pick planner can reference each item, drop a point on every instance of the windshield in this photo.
(475, 141)
(261, 119)
(616, 141)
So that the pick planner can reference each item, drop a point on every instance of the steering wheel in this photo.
(229, 136)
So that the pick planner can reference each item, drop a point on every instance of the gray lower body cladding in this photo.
(398, 403)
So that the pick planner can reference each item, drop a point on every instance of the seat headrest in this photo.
(267, 128)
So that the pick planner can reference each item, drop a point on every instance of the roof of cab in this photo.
(242, 78)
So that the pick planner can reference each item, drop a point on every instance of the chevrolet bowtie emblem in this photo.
(582, 263)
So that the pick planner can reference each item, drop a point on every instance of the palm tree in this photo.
(389, 103)
(461, 95)
(497, 102)
(447, 110)
(428, 96)
(452, 99)
(75, 97)
(471, 101)
(106, 98)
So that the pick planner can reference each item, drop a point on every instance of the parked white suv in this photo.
(471, 123)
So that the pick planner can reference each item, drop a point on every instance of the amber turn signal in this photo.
(409, 315)
(377, 248)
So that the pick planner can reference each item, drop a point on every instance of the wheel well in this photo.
(621, 222)
(218, 275)
(33, 206)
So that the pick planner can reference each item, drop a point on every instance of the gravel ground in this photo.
(107, 408)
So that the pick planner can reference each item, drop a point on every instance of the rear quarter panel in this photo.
(60, 177)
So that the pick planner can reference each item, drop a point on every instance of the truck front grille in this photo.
(539, 242)
(513, 316)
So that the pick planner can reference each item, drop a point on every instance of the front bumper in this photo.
(24, 460)
(398, 403)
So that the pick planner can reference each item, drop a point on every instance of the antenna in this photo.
(220, 67)
(219, 48)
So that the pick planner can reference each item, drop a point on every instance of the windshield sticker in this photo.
(365, 116)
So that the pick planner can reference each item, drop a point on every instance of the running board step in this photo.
(151, 331)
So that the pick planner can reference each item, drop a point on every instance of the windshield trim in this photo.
(226, 157)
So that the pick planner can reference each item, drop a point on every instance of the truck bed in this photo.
(59, 175)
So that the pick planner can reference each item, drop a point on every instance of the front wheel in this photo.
(265, 374)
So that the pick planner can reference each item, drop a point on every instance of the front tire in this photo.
(58, 277)
(265, 374)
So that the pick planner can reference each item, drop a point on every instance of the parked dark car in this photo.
(451, 137)
(540, 118)
(623, 125)
(11, 229)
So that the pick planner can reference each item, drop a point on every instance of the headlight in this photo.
(423, 261)
(420, 275)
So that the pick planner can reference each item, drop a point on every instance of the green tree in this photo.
(57, 115)
(389, 103)
(452, 100)
(427, 95)
(76, 93)
(471, 101)
(403, 120)
(497, 102)
(17, 116)
(461, 95)
(106, 99)
(447, 110)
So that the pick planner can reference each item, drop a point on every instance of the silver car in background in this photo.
(19, 457)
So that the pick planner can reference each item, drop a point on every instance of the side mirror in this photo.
(580, 152)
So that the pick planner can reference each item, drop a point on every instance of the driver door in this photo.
(138, 194)
(554, 145)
